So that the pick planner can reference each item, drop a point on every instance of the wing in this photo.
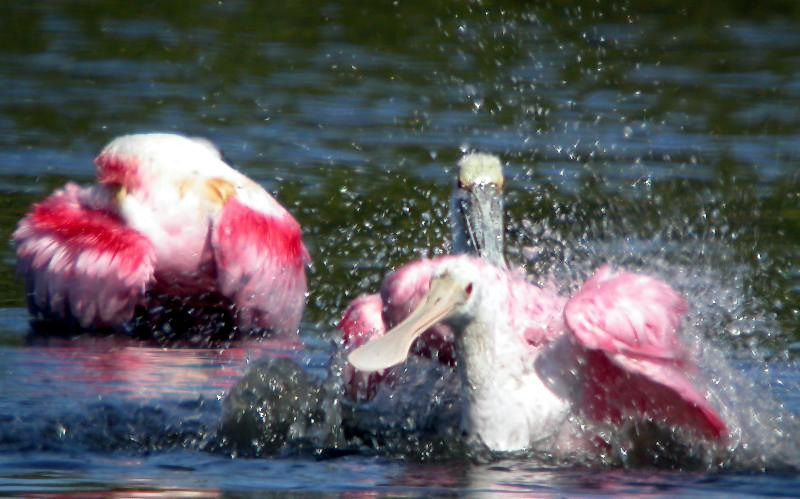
(362, 321)
(261, 263)
(636, 363)
(537, 312)
(80, 261)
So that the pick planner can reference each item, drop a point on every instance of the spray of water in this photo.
(730, 330)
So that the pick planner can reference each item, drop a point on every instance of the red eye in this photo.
(468, 289)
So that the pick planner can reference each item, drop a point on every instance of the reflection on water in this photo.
(655, 135)
(113, 393)
(128, 370)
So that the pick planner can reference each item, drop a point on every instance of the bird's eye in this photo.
(468, 289)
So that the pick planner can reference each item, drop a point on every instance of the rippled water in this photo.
(661, 136)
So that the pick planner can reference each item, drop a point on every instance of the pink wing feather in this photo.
(362, 321)
(635, 362)
(260, 266)
(79, 260)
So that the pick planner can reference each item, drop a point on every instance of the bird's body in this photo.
(507, 399)
(167, 220)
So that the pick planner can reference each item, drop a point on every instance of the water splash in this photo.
(278, 407)
(730, 330)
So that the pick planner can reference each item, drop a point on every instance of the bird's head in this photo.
(476, 208)
(131, 163)
(455, 288)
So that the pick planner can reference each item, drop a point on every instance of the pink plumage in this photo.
(635, 363)
(167, 220)
(362, 321)
(627, 314)
(82, 261)
(260, 266)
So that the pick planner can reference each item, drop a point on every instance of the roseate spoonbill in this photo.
(529, 358)
(169, 222)
(476, 217)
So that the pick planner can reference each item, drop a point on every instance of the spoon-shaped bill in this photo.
(392, 348)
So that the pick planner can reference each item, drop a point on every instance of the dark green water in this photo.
(660, 135)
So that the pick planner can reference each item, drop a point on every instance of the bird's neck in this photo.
(489, 360)
(488, 348)
(507, 405)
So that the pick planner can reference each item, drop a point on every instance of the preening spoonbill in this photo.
(169, 221)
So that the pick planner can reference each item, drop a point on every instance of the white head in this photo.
(480, 169)
(135, 161)
(455, 292)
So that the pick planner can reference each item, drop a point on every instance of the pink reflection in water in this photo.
(138, 370)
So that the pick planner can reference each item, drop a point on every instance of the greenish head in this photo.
(476, 208)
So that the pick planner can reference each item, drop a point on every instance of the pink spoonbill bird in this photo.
(476, 218)
(531, 360)
(168, 221)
